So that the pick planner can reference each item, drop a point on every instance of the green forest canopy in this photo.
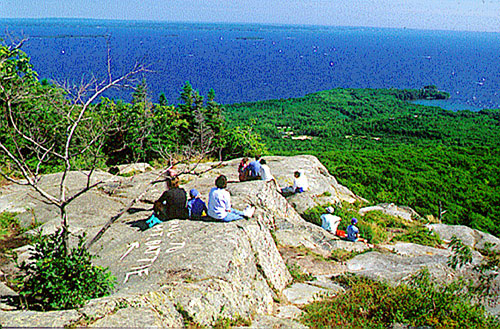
(387, 149)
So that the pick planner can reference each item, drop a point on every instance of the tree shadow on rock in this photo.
(140, 224)
(134, 210)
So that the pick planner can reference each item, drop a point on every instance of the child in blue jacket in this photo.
(195, 205)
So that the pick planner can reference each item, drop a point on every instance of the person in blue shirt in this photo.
(195, 205)
(253, 169)
(353, 232)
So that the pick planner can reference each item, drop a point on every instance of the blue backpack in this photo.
(153, 220)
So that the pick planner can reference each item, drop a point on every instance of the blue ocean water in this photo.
(255, 62)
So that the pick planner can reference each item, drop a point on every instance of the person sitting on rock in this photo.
(172, 203)
(242, 169)
(253, 169)
(330, 222)
(195, 205)
(265, 172)
(219, 203)
(300, 184)
(353, 232)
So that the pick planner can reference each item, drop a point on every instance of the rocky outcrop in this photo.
(205, 270)
(392, 210)
(470, 237)
(396, 263)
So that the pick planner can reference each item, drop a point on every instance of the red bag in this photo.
(340, 233)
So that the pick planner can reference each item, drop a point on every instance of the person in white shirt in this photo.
(265, 172)
(330, 222)
(300, 183)
(219, 203)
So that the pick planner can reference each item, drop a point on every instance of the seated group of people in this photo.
(330, 222)
(174, 204)
(254, 170)
(259, 170)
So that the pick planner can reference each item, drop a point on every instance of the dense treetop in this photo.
(387, 149)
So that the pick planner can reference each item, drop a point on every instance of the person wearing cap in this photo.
(195, 205)
(219, 203)
(353, 232)
(329, 221)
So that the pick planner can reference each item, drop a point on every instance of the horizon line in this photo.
(241, 23)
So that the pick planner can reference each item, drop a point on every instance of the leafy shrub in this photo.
(298, 275)
(54, 280)
(483, 287)
(313, 215)
(8, 223)
(420, 302)
(420, 235)
(228, 323)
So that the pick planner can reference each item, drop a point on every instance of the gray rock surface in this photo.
(393, 268)
(470, 237)
(391, 209)
(323, 281)
(402, 260)
(302, 293)
(134, 168)
(135, 317)
(38, 319)
(288, 312)
(205, 267)
(6, 291)
(266, 321)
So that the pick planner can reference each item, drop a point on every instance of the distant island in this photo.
(249, 38)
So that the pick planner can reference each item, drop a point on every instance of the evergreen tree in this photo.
(141, 93)
(162, 100)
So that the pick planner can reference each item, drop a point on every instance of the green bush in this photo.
(54, 280)
(228, 323)
(420, 302)
(420, 235)
(312, 215)
(298, 275)
(8, 223)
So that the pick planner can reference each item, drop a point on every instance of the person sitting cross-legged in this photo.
(329, 221)
(253, 169)
(195, 205)
(219, 203)
(300, 184)
(172, 203)
(353, 232)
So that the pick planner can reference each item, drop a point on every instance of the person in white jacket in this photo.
(219, 203)
(329, 221)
